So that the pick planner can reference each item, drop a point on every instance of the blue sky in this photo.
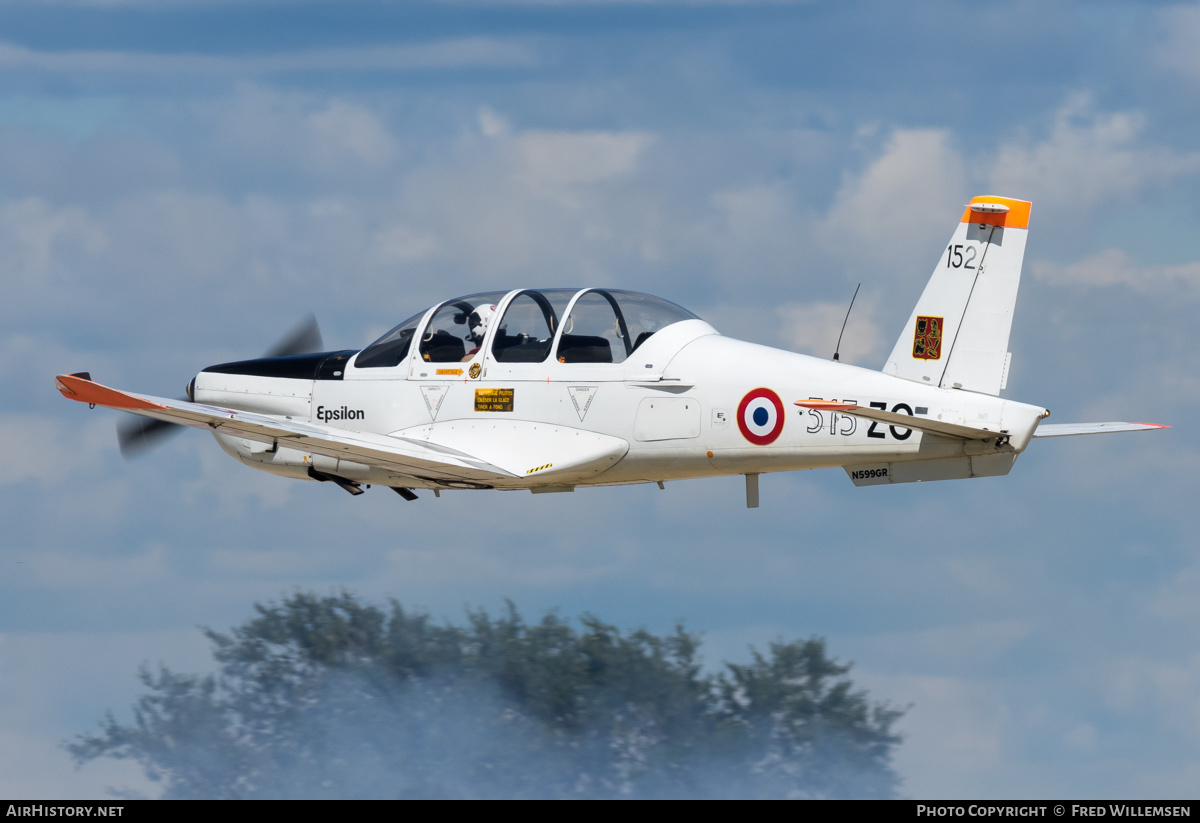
(181, 182)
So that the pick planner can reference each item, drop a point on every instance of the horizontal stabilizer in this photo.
(1068, 429)
(906, 421)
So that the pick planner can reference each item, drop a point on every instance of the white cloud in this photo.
(48, 451)
(344, 128)
(77, 570)
(1168, 689)
(755, 214)
(548, 158)
(1113, 267)
(897, 211)
(231, 487)
(336, 140)
(36, 236)
(1178, 32)
(31, 765)
(519, 200)
(55, 685)
(281, 565)
(491, 123)
(175, 241)
(403, 244)
(1176, 600)
(956, 734)
(813, 328)
(754, 238)
(1082, 738)
(1089, 159)
(980, 643)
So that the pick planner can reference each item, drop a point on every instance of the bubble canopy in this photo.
(528, 326)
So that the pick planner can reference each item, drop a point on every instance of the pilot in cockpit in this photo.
(479, 321)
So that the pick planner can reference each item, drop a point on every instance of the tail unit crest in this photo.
(957, 336)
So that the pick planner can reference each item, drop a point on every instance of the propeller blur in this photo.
(142, 433)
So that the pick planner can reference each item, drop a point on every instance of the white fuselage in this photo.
(674, 404)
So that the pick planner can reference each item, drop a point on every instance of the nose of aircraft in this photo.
(329, 365)
(290, 357)
(297, 354)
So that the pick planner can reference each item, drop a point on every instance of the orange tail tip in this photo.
(998, 211)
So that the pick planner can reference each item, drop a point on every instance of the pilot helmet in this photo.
(479, 320)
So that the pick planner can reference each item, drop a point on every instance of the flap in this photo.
(525, 448)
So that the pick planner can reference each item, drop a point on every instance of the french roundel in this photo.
(760, 417)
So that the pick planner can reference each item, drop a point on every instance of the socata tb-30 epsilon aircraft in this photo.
(553, 389)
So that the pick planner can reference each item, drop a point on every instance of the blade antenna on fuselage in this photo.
(838, 348)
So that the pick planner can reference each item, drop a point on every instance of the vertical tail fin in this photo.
(957, 336)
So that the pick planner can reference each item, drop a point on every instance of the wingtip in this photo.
(62, 382)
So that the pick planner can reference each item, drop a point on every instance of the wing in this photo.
(1068, 429)
(519, 448)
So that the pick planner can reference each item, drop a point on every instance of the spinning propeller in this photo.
(136, 436)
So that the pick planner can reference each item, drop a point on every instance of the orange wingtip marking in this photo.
(1153, 425)
(1017, 216)
(85, 391)
(831, 405)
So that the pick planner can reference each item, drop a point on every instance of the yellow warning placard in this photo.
(493, 400)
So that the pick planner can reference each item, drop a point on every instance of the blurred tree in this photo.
(327, 697)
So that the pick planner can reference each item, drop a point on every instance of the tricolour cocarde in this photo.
(760, 417)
